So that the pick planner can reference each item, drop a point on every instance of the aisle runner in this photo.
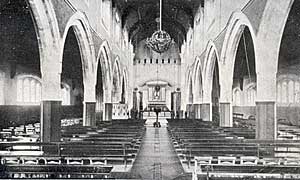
(157, 159)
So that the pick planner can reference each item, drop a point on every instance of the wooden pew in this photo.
(244, 167)
(115, 143)
(53, 167)
(190, 141)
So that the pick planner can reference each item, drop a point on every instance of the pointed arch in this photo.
(250, 94)
(46, 27)
(237, 97)
(117, 71)
(211, 59)
(48, 37)
(125, 84)
(104, 60)
(235, 28)
(189, 85)
(82, 30)
(270, 33)
(198, 80)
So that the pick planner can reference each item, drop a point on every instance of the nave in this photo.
(80, 78)
(134, 149)
(157, 158)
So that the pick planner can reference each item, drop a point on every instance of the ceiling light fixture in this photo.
(160, 40)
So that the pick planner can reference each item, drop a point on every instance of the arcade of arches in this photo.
(92, 56)
(89, 59)
(82, 74)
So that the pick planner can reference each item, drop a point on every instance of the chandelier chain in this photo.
(160, 40)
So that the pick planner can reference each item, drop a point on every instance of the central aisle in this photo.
(157, 158)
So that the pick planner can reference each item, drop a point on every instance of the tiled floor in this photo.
(157, 158)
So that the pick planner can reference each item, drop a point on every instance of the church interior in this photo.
(159, 89)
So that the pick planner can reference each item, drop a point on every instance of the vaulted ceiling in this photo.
(139, 17)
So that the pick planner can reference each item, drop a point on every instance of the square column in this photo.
(226, 114)
(108, 107)
(50, 121)
(172, 102)
(140, 101)
(266, 124)
(176, 96)
(190, 111)
(206, 111)
(197, 111)
(89, 114)
(134, 110)
(134, 101)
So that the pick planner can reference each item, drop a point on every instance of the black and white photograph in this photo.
(150, 89)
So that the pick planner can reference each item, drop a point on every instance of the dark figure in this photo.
(177, 114)
(133, 114)
(172, 114)
(157, 124)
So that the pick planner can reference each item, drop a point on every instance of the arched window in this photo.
(297, 92)
(291, 91)
(279, 92)
(253, 92)
(38, 91)
(284, 92)
(250, 96)
(237, 97)
(65, 94)
(2, 86)
(245, 98)
(28, 90)
(2, 82)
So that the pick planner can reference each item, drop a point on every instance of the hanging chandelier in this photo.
(160, 40)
